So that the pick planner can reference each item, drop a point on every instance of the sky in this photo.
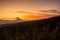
(26, 9)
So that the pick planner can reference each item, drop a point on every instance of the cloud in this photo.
(30, 13)
(53, 11)
(21, 11)
(40, 12)
(50, 12)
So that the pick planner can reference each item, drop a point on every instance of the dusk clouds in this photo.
(50, 12)
(41, 12)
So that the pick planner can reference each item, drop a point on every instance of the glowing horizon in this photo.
(10, 8)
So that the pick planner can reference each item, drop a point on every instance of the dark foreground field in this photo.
(47, 29)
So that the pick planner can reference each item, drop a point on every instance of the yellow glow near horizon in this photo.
(33, 17)
(26, 17)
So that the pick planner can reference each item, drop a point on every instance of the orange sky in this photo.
(33, 17)
(29, 17)
(27, 9)
(26, 16)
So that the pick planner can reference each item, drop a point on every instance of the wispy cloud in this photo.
(23, 12)
(30, 13)
(41, 12)
(50, 12)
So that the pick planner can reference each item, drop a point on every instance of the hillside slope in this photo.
(47, 29)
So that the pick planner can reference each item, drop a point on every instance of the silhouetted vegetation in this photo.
(47, 29)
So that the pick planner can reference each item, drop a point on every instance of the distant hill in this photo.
(47, 29)
(5, 21)
(2, 22)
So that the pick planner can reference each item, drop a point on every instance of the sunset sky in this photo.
(28, 9)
